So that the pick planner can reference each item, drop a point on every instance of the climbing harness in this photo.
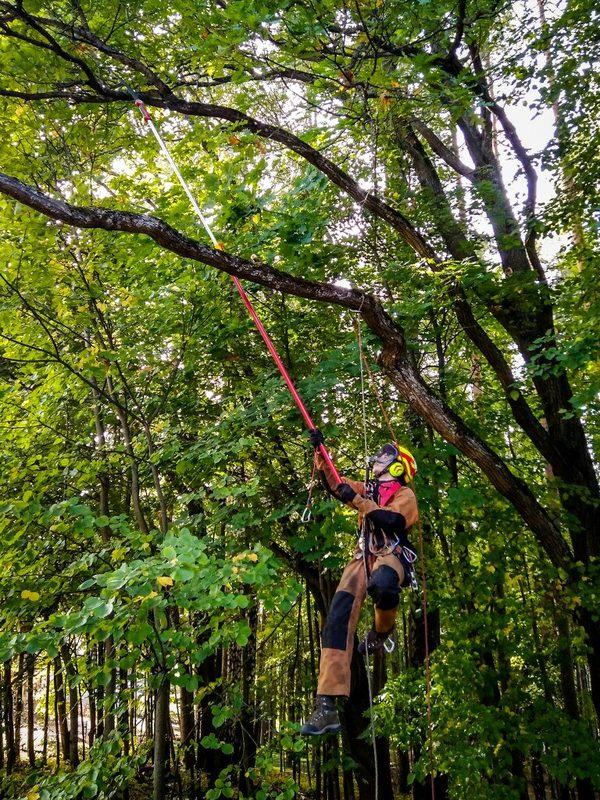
(240, 289)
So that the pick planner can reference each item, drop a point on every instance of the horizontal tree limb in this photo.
(395, 359)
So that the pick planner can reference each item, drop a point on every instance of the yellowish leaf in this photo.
(253, 557)
(26, 594)
(165, 580)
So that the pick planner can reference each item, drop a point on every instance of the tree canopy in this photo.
(427, 172)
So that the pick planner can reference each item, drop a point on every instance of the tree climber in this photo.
(382, 565)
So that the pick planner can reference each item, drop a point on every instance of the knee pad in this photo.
(384, 588)
(335, 630)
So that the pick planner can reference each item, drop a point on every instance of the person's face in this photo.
(380, 467)
(383, 459)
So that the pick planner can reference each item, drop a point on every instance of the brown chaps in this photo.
(386, 576)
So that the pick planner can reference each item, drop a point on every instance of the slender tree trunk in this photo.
(1, 724)
(83, 727)
(585, 790)
(70, 674)
(161, 741)
(19, 687)
(124, 728)
(186, 700)
(93, 715)
(187, 722)
(46, 716)
(9, 727)
(30, 711)
(110, 695)
(61, 709)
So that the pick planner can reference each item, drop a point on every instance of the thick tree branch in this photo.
(460, 26)
(171, 239)
(442, 150)
(396, 359)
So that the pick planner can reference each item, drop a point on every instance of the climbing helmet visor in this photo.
(386, 455)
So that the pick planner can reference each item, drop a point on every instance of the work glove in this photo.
(346, 493)
(316, 438)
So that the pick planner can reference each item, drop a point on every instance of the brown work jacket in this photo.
(402, 502)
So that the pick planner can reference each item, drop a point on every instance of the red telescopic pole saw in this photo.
(241, 291)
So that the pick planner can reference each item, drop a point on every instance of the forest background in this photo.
(161, 598)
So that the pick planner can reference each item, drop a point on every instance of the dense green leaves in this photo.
(154, 469)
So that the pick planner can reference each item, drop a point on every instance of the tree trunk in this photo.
(1, 726)
(46, 716)
(585, 790)
(61, 709)
(124, 728)
(361, 749)
(71, 676)
(161, 740)
(9, 727)
(416, 658)
(19, 687)
(248, 715)
(30, 711)
(188, 731)
(110, 695)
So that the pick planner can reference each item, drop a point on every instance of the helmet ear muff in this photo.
(396, 469)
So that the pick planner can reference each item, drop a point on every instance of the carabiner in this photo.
(306, 514)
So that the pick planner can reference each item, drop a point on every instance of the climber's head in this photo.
(395, 461)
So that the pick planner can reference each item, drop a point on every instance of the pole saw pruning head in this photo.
(139, 103)
(136, 99)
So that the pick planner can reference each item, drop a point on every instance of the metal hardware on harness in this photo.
(385, 550)
(389, 645)
(411, 557)
(306, 514)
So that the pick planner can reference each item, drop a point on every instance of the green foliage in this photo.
(102, 776)
(154, 469)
